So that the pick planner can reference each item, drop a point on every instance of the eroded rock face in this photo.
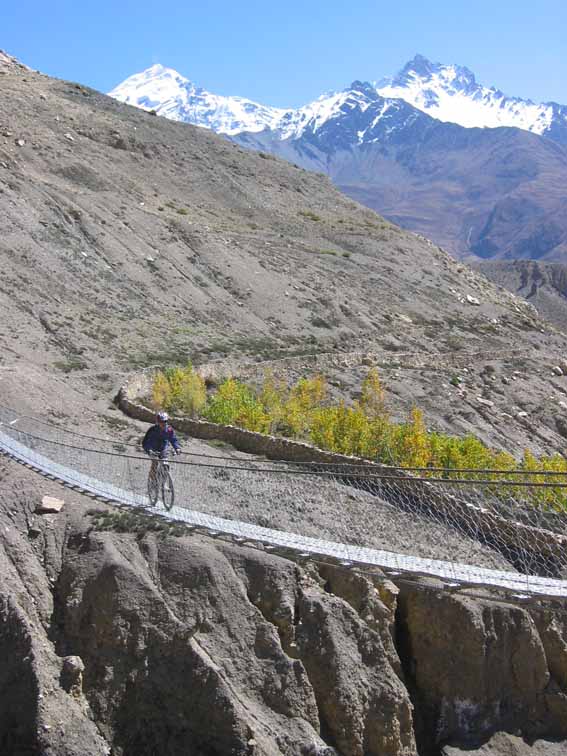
(477, 667)
(37, 715)
(364, 706)
(189, 645)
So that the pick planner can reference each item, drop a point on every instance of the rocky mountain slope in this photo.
(489, 193)
(407, 149)
(128, 239)
(544, 285)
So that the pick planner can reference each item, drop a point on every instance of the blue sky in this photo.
(287, 54)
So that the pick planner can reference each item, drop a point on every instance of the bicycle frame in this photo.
(160, 482)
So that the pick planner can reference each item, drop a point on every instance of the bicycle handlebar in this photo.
(161, 455)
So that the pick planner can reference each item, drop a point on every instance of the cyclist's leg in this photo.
(153, 469)
(153, 481)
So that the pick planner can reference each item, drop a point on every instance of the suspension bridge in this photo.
(507, 537)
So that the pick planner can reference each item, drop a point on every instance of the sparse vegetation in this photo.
(70, 364)
(310, 215)
(130, 521)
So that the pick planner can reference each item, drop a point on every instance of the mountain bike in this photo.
(160, 482)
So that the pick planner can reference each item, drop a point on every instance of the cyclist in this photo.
(158, 438)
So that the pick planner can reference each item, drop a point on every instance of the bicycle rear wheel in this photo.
(167, 491)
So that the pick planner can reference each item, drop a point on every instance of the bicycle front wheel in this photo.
(167, 492)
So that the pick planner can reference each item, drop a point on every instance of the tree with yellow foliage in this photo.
(305, 398)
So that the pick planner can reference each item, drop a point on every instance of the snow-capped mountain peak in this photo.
(451, 93)
(152, 88)
(458, 77)
(172, 95)
(326, 108)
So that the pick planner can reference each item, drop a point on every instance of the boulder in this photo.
(504, 744)
(49, 505)
(72, 675)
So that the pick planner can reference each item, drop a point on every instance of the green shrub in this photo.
(235, 404)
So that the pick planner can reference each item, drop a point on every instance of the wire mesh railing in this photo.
(510, 533)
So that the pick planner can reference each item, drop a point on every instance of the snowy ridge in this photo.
(314, 116)
(173, 96)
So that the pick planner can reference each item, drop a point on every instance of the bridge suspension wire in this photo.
(348, 473)
(319, 465)
(509, 534)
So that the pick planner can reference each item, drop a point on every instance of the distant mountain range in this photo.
(448, 93)
(480, 173)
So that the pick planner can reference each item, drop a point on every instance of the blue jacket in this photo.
(156, 439)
